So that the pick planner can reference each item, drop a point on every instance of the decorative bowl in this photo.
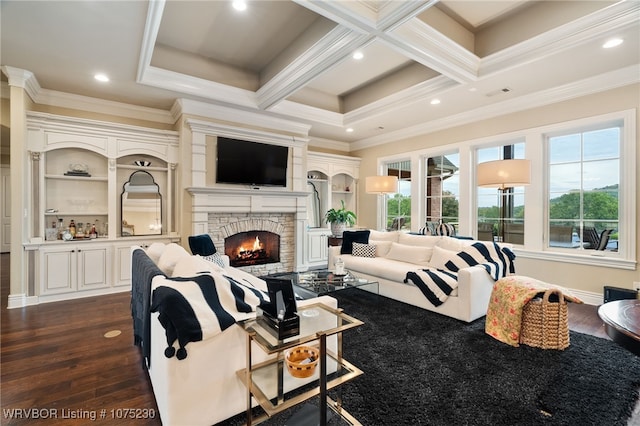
(142, 163)
(78, 168)
(302, 361)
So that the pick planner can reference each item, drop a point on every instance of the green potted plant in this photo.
(339, 219)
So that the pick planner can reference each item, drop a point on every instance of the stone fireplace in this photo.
(259, 243)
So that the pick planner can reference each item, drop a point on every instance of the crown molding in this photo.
(400, 99)
(329, 144)
(22, 78)
(236, 115)
(220, 129)
(307, 112)
(600, 83)
(151, 29)
(102, 106)
(574, 33)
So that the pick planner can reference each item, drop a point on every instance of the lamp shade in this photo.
(504, 173)
(381, 184)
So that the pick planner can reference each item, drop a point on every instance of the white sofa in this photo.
(397, 253)
(203, 388)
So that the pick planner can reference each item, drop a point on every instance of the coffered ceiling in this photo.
(294, 59)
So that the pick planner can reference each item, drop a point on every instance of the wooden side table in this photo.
(334, 241)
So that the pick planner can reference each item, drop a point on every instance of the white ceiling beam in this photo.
(331, 49)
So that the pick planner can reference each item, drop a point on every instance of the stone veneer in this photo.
(222, 225)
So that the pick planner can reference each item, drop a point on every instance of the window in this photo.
(399, 204)
(583, 190)
(501, 212)
(442, 188)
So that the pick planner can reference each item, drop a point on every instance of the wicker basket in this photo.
(545, 324)
(302, 361)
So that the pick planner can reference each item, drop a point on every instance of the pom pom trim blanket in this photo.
(438, 284)
(200, 307)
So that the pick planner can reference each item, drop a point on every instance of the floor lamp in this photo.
(504, 175)
(381, 185)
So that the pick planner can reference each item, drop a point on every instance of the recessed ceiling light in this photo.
(239, 5)
(357, 55)
(612, 43)
(101, 77)
(349, 130)
(435, 101)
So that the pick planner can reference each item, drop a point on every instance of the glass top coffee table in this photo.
(317, 282)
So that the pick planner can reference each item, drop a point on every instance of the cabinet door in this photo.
(58, 270)
(318, 251)
(92, 266)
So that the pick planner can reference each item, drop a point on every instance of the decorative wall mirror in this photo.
(141, 204)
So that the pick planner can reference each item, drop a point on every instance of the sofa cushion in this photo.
(349, 237)
(154, 251)
(384, 236)
(364, 250)
(418, 240)
(453, 244)
(170, 256)
(412, 254)
(382, 247)
(440, 257)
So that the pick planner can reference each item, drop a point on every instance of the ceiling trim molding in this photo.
(150, 35)
(186, 84)
(401, 99)
(102, 106)
(395, 13)
(334, 47)
(600, 83)
(262, 119)
(559, 39)
(230, 131)
(356, 15)
(307, 112)
(431, 48)
(22, 78)
(329, 144)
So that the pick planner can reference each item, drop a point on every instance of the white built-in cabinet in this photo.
(331, 179)
(59, 145)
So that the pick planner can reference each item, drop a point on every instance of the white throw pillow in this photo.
(418, 240)
(383, 236)
(170, 257)
(363, 250)
(410, 254)
(155, 250)
(382, 247)
(440, 257)
(192, 266)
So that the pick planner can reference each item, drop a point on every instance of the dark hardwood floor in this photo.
(55, 357)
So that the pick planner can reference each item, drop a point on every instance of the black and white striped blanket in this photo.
(437, 284)
(200, 307)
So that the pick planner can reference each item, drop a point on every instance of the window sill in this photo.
(580, 259)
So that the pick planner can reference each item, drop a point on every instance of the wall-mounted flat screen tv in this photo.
(251, 163)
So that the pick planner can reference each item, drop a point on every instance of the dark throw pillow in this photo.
(350, 237)
(202, 245)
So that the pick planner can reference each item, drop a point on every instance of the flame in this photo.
(256, 244)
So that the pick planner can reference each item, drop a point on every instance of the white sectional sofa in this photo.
(203, 388)
(397, 253)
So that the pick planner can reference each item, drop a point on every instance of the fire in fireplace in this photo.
(252, 248)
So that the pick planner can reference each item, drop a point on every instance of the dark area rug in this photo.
(422, 368)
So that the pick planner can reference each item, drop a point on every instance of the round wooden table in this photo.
(622, 322)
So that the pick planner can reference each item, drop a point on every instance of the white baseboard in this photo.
(21, 300)
(588, 297)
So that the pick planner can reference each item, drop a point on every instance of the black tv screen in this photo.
(251, 163)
